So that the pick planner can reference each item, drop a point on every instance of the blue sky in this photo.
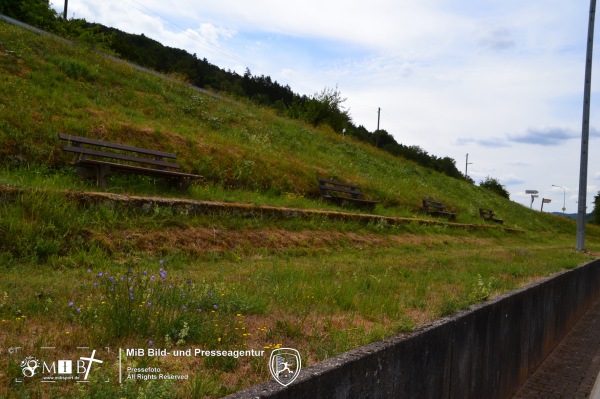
(501, 80)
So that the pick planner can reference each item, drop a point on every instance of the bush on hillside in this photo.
(494, 185)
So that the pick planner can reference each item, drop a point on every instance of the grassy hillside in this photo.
(51, 87)
(109, 275)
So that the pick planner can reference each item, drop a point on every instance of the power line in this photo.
(401, 126)
(179, 29)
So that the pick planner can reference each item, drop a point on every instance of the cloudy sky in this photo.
(501, 80)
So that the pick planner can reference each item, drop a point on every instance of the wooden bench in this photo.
(437, 208)
(342, 193)
(489, 214)
(92, 161)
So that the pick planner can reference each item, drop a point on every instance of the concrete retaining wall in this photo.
(485, 352)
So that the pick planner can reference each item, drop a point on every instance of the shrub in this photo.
(494, 185)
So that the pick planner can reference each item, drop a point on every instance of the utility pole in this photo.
(585, 133)
(65, 10)
(377, 131)
(467, 163)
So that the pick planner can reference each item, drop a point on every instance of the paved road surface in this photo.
(572, 370)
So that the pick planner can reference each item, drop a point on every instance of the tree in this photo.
(34, 12)
(324, 108)
(596, 211)
(494, 185)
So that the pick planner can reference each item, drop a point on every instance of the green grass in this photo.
(52, 87)
(275, 284)
(318, 285)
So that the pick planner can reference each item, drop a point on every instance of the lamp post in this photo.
(564, 196)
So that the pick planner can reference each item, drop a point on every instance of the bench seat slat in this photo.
(342, 190)
(122, 157)
(135, 169)
(84, 140)
(338, 183)
(366, 201)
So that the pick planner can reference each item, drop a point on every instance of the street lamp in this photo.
(564, 196)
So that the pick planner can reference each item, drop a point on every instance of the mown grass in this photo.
(75, 275)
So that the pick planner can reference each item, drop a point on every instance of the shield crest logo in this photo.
(285, 365)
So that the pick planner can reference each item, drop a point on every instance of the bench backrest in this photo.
(157, 159)
(433, 204)
(339, 187)
(486, 213)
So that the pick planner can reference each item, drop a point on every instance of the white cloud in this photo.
(497, 39)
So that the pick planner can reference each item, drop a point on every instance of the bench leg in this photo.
(101, 173)
(180, 183)
(86, 172)
(98, 172)
(184, 184)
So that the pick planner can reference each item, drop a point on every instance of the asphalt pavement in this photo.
(572, 370)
